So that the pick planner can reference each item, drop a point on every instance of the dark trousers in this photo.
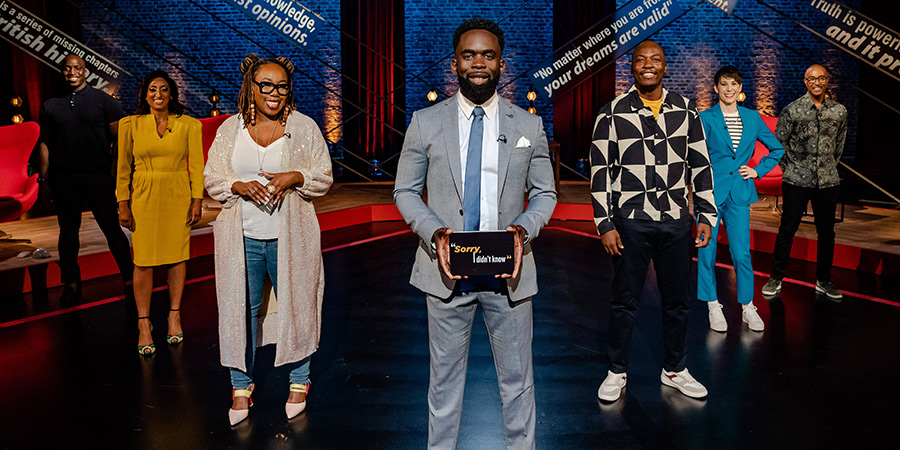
(824, 203)
(668, 245)
(72, 194)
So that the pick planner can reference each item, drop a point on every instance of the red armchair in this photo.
(771, 183)
(210, 125)
(18, 191)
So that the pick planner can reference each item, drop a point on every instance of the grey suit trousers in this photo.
(509, 327)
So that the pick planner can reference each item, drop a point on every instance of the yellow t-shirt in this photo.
(654, 105)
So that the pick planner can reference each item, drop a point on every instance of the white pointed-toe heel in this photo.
(236, 416)
(294, 409)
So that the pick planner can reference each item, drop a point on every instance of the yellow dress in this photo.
(160, 176)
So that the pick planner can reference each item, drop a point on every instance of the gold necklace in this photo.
(258, 148)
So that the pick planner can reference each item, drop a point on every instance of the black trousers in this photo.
(668, 245)
(824, 204)
(72, 194)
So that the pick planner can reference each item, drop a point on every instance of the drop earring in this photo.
(253, 114)
(285, 114)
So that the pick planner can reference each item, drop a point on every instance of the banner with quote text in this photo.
(50, 46)
(288, 19)
(862, 37)
(601, 44)
(724, 5)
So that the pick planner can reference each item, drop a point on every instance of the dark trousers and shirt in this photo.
(75, 128)
(813, 139)
(641, 166)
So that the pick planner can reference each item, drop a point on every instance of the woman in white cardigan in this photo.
(265, 166)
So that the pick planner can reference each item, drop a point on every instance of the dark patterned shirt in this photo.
(813, 142)
(640, 167)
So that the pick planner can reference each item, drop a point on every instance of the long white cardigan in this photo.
(295, 326)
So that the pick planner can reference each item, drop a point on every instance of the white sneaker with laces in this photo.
(716, 317)
(684, 382)
(611, 388)
(751, 318)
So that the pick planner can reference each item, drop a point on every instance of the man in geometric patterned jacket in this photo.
(647, 145)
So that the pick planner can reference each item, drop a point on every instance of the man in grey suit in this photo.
(477, 156)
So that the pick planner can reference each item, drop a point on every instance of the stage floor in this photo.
(866, 228)
(821, 375)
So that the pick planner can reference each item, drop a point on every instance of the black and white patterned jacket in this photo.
(640, 167)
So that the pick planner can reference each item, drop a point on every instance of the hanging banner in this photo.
(50, 46)
(862, 37)
(724, 5)
(601, 44)
(292, 21)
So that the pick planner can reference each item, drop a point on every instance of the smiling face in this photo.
(158, 95)
(729, 90)
(273, 80)
(648, 66)
(477, 65)
(74, 72)
(816, 80)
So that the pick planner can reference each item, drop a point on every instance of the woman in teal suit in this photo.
(731, 135)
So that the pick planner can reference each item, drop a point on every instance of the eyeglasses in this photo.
(266, 88)
(820, 79)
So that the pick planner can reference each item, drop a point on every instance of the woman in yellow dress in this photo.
(159, 189)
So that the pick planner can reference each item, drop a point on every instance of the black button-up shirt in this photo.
(813, 141)
(75, 128)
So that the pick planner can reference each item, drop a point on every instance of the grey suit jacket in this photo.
(430, 161)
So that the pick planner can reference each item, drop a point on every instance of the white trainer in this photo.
(717, 318)
(684, 382)
(611, 388)
(751, 318)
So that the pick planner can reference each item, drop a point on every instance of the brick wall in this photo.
(528, 29)
(189, 35)
(705, 38)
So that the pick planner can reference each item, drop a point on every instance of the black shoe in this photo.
(70, 295)
(829, 289)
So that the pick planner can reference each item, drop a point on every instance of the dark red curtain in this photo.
(574, 111)
(372, 64)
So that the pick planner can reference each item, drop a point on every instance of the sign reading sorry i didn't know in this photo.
(292, 21)
(51, 46)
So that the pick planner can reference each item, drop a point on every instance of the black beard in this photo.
(478, 94)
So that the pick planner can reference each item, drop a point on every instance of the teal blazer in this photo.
(726, 161)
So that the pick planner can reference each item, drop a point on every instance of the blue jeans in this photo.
(261, 257)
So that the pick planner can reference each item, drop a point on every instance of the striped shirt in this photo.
(735, 128)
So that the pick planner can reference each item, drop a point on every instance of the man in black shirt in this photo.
(77, 131)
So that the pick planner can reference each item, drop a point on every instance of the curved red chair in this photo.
(770, 184)
(210, 125)
(18, 191)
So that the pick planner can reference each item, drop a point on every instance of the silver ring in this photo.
(252, 190)
(271, 189)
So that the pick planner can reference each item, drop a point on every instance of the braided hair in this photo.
(250, 67)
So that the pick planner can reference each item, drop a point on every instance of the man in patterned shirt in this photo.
(813, 129)
(648, 144)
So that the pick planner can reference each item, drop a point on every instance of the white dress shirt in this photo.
(490, 154)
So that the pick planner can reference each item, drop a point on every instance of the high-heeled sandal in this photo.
(147, 350)
(176, 338)
(294, 409)
(236, 416)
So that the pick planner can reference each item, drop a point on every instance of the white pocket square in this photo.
(523, 142)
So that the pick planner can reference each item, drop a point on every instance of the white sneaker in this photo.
(751, 318)
(717, 318)
(684, 382)
(611, 388)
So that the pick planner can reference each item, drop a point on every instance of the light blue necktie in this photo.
(472, 190)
